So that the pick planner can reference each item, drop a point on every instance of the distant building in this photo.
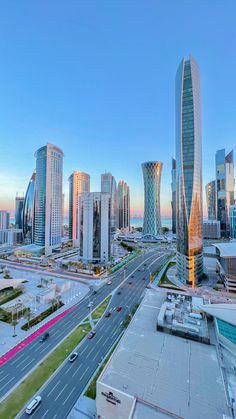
(79, 182)
(48, 197)
(95, 227)
(123, 205)
(152, 182)
(28, 212)
(233, 222)
(224, 188)
(11, 237)
(211, 200)
(19, 203)
(188, 173)
(211, 229)
(173, 190)
(4, 220)
(108, 185)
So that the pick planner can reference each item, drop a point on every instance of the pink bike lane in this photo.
(12, 352)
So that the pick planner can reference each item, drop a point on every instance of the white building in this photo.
(95, 230)
(108, 185)
(11, 237)
(211, 229)
(48, 197)
(4, 219)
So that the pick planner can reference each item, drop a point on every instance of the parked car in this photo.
(91, 334)
(119, 308)
(73, 357)
(44, 337)
(33, 404)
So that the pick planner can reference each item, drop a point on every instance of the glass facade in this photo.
(211, 200)
(152, 181)
(28, 212)
(79, 182)
(19, 212)
(227, 330)
(233, 222)
(108, 185)
(123, 205)
(173, 191)
(224, 189)
(188, 173)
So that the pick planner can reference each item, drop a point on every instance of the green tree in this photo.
(14, 323)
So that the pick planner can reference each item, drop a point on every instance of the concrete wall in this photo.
(116, 405)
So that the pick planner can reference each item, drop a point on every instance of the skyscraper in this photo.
(48, 197)
(108, 185)
(19, 203)
(188, 172)
(79, 182)
(211, 200)
(123, 205)
(4, 220)
(224, 188)
(152, 181)
(95, 228)
(173, 191)
(28, 211)
(233, 222)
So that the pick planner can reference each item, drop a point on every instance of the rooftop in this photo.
(226, 249)
(225, 312)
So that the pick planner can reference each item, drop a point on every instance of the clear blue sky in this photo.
(97, 79)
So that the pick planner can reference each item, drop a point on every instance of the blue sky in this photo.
(97, 78)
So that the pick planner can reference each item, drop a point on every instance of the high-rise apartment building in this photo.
(79, 182)
(95, 227)
(224, 188)
(173, 192)
(211, 200)
(188, 172)
(123, 205)
(19, 203)
(152, 181)
(108, 185)
(28, 211)
(232, 213)
(48, 197)
(4, 219)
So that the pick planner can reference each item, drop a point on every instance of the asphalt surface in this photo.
(24, 361)
(63, 390)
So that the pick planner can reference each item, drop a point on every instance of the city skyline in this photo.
(117, 101)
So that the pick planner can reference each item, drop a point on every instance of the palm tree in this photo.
(28, 315)
(14, 324)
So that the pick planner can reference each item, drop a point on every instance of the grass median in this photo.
(26, 390)
(96, 314)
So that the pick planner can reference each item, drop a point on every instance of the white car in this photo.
(90, 304)
(109, 283)
(33, 405)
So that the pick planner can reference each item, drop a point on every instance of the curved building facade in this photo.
(188, 173)
(28, 212)
(152, 181)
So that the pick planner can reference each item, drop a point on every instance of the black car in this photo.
(139, 270)
(132, 276)
(44, 337)
(119, 292)
(144, 278)
(108, 313)
(130, 282)
(94, 292)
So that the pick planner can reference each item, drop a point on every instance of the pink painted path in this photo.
(12, 352)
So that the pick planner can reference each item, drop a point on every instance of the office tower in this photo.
(188, 173)
(233, 221)
(211, 229)
(79, 182)
(152, 183)
(123, 205)
(211, 200)
(95, 228)
(28, 211)
(48, 197)
(19, 203)
(108, 185)
(4, 220)
(62, 215)
(224, 188)
(173, 191)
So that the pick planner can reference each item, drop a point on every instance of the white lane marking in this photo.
(84, 373)
(77, 370)
(2, 387)
(104, 343)
(44, 414)
(71, 366)
(50, 392)
(83, 350)
(5, 376)
(17, 360)
(22, 369)
(68, 396)
(60, 392)
(99, 340)
(89, 353)
(22, 362)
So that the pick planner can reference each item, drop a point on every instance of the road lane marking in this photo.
(77, 370)
(2, 387)
(84, 373)
(83, 350)
(53, 388)
(17, 360)
(104, 343)
(22, 362)
(68, 396)
(45, 414)
(60, 392)
(22, 369)
(89, 353)
(5, 376)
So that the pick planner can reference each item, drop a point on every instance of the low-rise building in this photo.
(11, 237)
(211, 229)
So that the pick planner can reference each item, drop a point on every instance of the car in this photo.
(94, 292)
(44, 337)
(91, 334)
(130, 282)
(108, 313)
(109, 283)
(144, 278)
(119, 292)
(119, 308)
(90, 304)
(148, 286)
(145, 264)
(73, 357)
(139, 270)
(33, 404)
(132, 276)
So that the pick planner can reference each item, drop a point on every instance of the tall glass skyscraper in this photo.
(18, 211)
(79, 182)
(108, 185)
(173, 191)
(188, 173)
(123, 205)
(28, 212)
(48, 197)
(233, 222)
(152, 181)
(224, 188)
(211, 200)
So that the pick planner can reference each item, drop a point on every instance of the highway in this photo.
(13, 371)
(61, 392)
